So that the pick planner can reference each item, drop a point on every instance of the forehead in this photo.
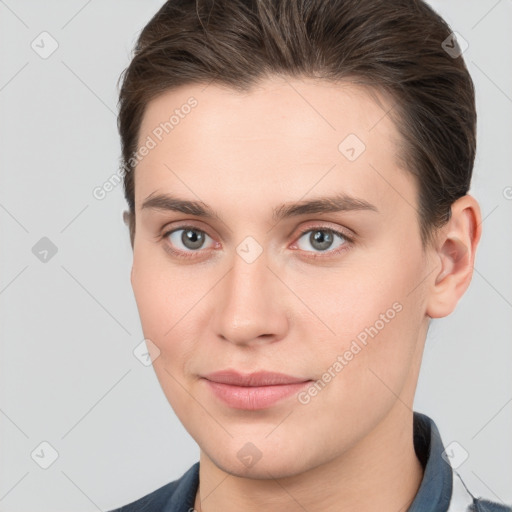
(284, 134)
(305, 107)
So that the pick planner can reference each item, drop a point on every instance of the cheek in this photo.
(373, 316)
(165, 306)
(171, 305)
(159, 298)
(362, 369)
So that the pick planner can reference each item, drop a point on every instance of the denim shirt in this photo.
(441, 489)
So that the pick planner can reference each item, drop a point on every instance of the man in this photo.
(297, 176)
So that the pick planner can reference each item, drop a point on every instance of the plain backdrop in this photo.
(69, 323)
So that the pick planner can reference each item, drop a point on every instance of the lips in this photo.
(261, 378)
(258, 390)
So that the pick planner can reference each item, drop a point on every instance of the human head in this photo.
(257, 136)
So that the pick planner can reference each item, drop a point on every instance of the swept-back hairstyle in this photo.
(398, 47)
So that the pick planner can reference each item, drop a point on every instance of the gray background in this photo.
(70, 324)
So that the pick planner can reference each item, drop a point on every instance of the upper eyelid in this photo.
(167, 231)
(346, 232)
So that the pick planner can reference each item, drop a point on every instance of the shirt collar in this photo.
(184, 496)
(435, 490)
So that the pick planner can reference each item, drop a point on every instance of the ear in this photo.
(129, 220)
(455, 252)
(126, 217)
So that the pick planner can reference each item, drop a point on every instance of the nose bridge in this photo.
(248, 307)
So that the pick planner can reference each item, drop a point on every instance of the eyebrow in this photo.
(337, 203)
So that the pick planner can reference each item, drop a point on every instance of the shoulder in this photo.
(151, 502)
(481, 505)
(442, 487)
(172, 496)
(464, 501)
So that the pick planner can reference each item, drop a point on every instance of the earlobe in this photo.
(457, 245)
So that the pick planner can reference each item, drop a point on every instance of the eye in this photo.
(189, 241)
(324, 240)
(186, 239)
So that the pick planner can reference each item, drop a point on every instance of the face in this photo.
(251, 279)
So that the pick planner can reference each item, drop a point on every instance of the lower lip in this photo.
(254, 397)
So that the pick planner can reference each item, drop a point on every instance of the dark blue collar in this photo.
(435, 490)
(184, 496)
(434, 493)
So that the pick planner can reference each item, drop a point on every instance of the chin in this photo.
(262, 470)
(249, 462)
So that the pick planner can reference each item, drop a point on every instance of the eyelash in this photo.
(189, 254)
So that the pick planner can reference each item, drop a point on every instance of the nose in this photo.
(251, 307)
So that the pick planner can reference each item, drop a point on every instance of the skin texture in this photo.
(243, 154)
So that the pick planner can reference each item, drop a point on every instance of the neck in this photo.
(380, 472)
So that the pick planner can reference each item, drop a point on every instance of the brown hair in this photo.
(395, 46)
